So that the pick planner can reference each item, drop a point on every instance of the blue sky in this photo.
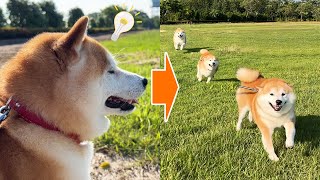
(90, 6)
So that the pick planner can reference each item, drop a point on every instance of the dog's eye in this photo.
(111, 71)
(283, 94)
(271, 94)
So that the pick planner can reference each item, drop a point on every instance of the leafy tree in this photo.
(253, 7)
(146, 21)
(107, 16)
(156, 22)
(2, 19)
(238, 10)
(172, 10)
(53, 18)
(93, 23)
(101, 22)
(304, 9)
(316, 13)
(25, 14)
(74, 15)
(272, 9)
(35, 16)
(288, 10)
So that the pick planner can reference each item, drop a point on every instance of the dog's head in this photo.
(209, 60)
(180, 33)
(276, 97)
(72, 81)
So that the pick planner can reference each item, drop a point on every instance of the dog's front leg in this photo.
(250, 116)
(182, 46)
(267, 143)
(209, 79)
(176, 46)
(199, 75)
(290, 133)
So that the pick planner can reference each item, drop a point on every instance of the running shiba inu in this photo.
(270, 103)
(59, 87)
(179, 39)
(207, 65)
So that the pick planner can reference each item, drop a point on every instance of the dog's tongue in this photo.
(277, 107)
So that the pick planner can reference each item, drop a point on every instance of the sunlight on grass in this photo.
(135, 46)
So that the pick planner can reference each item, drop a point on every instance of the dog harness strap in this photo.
(33, 118)
(249, 88)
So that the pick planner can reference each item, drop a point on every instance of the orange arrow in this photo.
(164, 87)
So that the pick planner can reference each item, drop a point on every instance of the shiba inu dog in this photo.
(179, 39)
(59, 88)
(270, 103)
(207, 65)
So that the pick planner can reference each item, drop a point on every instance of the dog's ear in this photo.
(75, 36)
(261, 86)
(290, 86)
(68, 46)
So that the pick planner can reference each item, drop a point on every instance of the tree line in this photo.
(239, 10)
(26, 14)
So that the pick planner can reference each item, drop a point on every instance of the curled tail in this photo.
(247, 75)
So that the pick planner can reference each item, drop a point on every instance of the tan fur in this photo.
(179, 42)
(38, 77)
(203, 68)
(247, 75)
(265, 118)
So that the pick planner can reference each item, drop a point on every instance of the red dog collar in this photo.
(33, 118)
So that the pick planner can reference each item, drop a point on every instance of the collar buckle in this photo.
(4, 110)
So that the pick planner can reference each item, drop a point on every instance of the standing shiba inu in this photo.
(59, 87)
(271, 104)
(207, 65)
(179, 39)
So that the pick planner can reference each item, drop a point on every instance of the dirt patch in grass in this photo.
(122, 168)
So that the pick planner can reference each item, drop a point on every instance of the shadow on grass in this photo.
(229, 79)
(308, 130)
(190, 50)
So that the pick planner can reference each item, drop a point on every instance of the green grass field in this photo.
(200, 140)
(138, 133)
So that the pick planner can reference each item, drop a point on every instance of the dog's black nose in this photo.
(278, 102)
(145, 82)
(214, 64)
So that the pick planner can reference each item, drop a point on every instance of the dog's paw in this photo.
(273, 157)
(238, 127)
(199, 79)
(289, 144)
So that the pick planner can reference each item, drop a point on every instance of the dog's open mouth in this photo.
(276, 107)
(118, 102)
